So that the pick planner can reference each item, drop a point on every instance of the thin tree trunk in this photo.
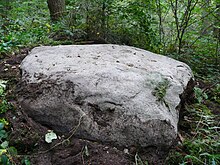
(160, 24)
(205, 18)
(57, 8)
(103, 20)
(217, 22)
(182, 24)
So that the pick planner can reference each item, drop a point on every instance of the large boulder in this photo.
(108, 93)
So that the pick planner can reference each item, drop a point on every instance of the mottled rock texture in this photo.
(114, 94)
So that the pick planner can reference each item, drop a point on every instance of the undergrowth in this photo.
(7, 152)
(200, 135)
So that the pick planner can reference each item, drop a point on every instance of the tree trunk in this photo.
(57, 8)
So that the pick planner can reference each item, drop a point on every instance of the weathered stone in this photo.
(109, 93)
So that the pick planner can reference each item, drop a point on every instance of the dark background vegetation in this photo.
(187, 30)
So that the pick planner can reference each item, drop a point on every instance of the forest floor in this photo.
(27, 136)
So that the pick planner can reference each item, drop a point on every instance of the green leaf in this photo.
(1, 125)
(4, 144)
(205, 96)
(200, 95)
(1, 91)
(2, 151)
(5, 44)
(4, 159)
(4, 121)
(3, 83)
(213, 162)
(26, 161)
(12, 151)
(3, 134)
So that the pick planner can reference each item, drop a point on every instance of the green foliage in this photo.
(200, 95)
(4, 105)
(134, 24)
(216, 93)
(145, 24)
(2, 87)
(7, 43)
(3, 133)
(202, 56)
(203, 146)
(26, 161)
(6, 152)
(25, 25)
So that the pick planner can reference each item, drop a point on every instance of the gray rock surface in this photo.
(109, 93)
